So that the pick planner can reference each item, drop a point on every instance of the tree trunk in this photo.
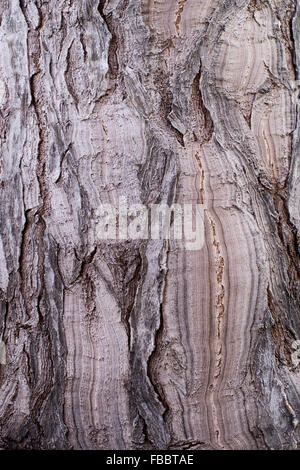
(143, 343)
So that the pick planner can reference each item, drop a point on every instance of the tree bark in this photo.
(143, 344)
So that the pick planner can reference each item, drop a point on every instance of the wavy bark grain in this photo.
(143, 344)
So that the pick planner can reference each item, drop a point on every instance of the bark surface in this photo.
(142, 344)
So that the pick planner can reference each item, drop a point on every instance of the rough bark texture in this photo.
(143, 344)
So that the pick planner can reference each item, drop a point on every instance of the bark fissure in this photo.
(133, 342)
